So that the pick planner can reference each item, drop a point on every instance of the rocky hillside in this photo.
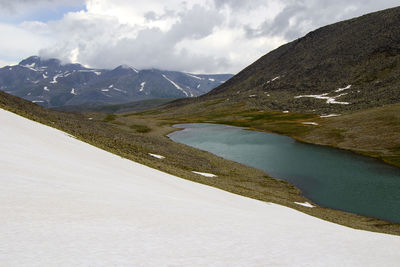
(50, 83)
(346, 66)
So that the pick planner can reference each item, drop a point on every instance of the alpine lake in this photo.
(329, 177)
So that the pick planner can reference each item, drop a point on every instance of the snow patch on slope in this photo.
(194, 76)
(174, 84)
(310, 123)
(305, 204)
(329, 115)
(142, 86)
(205, 174)
(55, 78)
(342, 89)
(119, 90)
(156, 156)
(329, 99)
(30, 66)
(124, 66)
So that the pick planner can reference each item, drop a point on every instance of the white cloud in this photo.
(7, 63)
(301, 16)
(191, 35)
(18, 43)
(19, 7)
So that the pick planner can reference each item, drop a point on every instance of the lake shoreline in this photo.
(312, 197)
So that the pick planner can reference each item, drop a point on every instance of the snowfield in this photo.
(67, 203)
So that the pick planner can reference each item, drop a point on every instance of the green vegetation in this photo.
(118, 108)
(109, 117)
(140, 128)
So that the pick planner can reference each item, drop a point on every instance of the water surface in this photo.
(330, 177)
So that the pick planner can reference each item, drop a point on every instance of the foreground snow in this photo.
(64, 202)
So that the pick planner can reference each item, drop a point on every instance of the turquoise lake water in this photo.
(329, 177)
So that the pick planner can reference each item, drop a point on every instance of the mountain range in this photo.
(50, 83)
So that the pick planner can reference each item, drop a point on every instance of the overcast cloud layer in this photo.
(208, 36)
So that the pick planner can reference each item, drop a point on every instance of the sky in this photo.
(198, 36)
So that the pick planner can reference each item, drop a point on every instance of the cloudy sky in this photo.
(203, 36)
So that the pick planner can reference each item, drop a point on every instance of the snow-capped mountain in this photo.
(50, 83)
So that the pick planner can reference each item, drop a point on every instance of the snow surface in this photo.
(142, 86)
(37, 101)
(30, 66)
(274, 79)
(56, 77)
(67, 203)
(73, 91)
(305, 204)
(157, 156)
(124, 66)
(310, 123)
(329, 115)
(194, 76)
(119, 90)
(205, 174)
(174, 84)
(329, 99)
(342, 89)
(46, 89)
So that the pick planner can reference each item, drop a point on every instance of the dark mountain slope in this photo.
(363, 52)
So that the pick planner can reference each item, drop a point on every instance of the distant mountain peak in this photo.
(38, 62)
(126, 67)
